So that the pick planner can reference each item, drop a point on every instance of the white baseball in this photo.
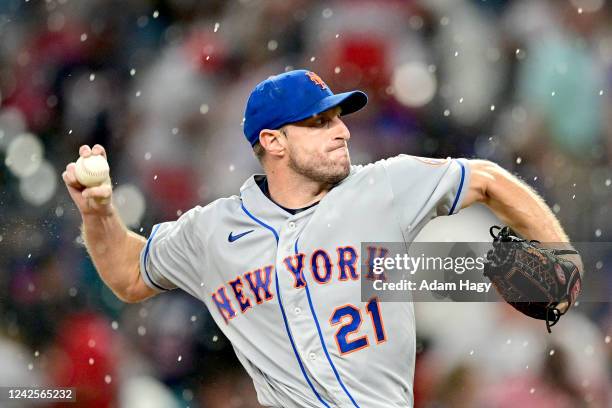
(92, 171)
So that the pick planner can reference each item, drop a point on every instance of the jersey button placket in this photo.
(302, 325)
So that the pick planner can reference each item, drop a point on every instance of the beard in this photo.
(319, 167)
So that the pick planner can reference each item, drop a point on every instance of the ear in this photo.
(273, 142)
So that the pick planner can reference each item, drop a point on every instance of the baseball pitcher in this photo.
(278, 264)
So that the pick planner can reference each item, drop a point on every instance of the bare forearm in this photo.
(115, 252)
(520, 207)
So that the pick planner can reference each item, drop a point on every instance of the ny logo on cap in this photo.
(316, 79)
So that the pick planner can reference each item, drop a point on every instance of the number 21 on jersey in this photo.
(349, 317)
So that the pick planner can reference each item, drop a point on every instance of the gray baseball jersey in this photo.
(285, 289)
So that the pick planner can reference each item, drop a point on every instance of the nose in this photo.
(341, 131)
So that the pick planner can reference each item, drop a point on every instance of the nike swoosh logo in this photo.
(232, 238)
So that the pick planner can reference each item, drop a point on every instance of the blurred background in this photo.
(162, 85)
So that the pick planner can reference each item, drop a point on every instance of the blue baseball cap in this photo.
(291, 97)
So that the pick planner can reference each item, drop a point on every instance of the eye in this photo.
(322, 121)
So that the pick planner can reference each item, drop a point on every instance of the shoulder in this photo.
(402, 162)
(213, 210)
(219, 205)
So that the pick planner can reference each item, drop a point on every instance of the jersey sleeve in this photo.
(174, 254)
(425, 188)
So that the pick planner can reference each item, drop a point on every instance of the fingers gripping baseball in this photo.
(88, 181)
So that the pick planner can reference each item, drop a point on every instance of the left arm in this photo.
(514, 202)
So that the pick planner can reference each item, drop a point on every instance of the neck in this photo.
(292, 190)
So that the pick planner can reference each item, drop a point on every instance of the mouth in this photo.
(337, 147)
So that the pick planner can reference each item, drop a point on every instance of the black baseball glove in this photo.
(534, 280)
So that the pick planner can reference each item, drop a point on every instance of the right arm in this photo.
(114, 250)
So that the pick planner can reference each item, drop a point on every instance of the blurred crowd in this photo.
(162, 84)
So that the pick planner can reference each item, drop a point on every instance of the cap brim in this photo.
(349, 102)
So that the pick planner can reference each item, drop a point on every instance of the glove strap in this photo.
(552, 317)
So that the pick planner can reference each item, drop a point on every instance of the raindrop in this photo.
(598, 232)
(272, 45)
(132, 72)
(188, 395)
(413, 84)
(204, 109)
(312, 59)
(551, 353)
(607, 340)
(492, 108)
(194, 318)
(337, 70)
(519, 160)
(142, 330)
(155, 14)
(147, 156)
(114, 325)
(232, 167)
(532, 391)
(327, 13)
(92, 77)
(216, 27)
(179, 358)
(446, 112)
(108, 379)
(39, 187)
(24, 155)
(215, 338)
(130, 203)
(83, 37)
(137, 94)
(91, 361)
